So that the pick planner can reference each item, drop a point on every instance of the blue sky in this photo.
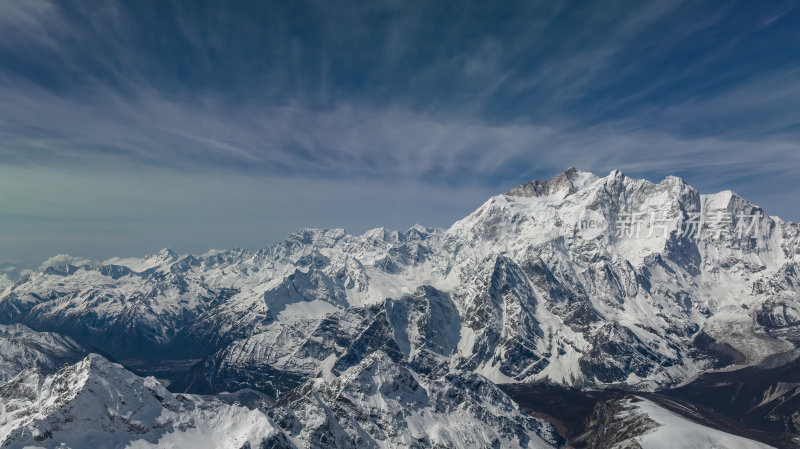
(129, 126)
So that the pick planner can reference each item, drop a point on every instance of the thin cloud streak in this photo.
(427, 99)
(348, 141)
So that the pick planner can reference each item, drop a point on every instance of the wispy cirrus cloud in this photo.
(417, 96)
(363, 141)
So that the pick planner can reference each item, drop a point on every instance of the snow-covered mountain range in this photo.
(378, 404)
(579, 280)
(21, 348)
(95, 403)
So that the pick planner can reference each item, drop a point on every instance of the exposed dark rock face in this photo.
(615, 425)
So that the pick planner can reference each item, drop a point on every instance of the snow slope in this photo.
(376, 403)
(381, 404)
(95, 403)
(22, 348)
(672, 431)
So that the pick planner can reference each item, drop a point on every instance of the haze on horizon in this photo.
(126, 127)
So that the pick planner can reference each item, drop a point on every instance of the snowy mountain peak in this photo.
(566, 182)
(23, 348)
(96, 403)
(165, 255)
